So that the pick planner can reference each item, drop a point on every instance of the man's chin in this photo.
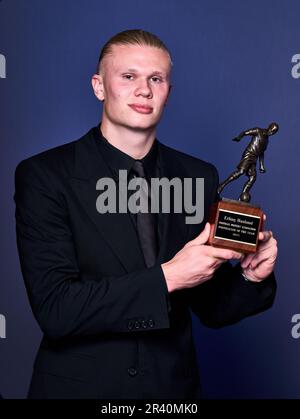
(142, 127)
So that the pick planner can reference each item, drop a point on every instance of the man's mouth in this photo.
(141, 108)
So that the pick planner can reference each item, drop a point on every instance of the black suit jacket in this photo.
(111, 330)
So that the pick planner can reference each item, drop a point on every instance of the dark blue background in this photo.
(232, 71)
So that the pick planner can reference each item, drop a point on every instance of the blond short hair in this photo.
(132, 37)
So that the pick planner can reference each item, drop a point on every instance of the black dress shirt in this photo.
(118, 160)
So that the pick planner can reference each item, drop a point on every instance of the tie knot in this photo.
(138, 168)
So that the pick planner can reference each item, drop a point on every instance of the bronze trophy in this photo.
(236, 224)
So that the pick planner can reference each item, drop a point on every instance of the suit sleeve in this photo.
(228, 298)
(65, 301)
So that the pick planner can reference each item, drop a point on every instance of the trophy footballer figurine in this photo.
(236, 224)
(255, 150)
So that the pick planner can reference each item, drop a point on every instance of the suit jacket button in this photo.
(144, 324)
(130, 325)
(151, 323)
(132, 371)
(137, 324)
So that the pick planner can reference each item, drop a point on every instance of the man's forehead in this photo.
(136, 56)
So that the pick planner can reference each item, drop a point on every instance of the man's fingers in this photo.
(260, 258)
(247, 260)
(264, 236)
(225, 254)
(202, 238)
(267, 251)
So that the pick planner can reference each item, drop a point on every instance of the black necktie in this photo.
(146, 222)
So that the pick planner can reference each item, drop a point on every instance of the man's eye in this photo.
(128, 76)
(156, 79)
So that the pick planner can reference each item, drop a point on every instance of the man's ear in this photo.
(170, 87)
(98, 87)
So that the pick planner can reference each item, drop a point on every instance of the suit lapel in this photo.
(116, 229)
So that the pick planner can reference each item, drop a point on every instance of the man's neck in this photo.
(134, 143)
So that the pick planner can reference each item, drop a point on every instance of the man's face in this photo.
(134, 85)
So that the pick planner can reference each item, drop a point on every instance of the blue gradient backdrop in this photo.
(232, 71)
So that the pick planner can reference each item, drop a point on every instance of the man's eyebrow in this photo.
(134, 70)
(159, 73)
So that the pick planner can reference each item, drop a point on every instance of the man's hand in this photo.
(195, 263)
(259, 265)
(262, 170)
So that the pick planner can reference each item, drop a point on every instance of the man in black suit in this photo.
(113, 302)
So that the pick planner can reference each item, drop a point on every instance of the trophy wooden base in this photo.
(235, 225)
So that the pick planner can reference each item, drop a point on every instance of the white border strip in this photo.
(236, 241)
(239, 213)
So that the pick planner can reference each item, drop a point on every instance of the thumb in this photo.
(203, 236)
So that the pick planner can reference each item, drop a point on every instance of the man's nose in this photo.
(143, 88)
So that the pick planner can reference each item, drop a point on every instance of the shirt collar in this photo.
(118, 160)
